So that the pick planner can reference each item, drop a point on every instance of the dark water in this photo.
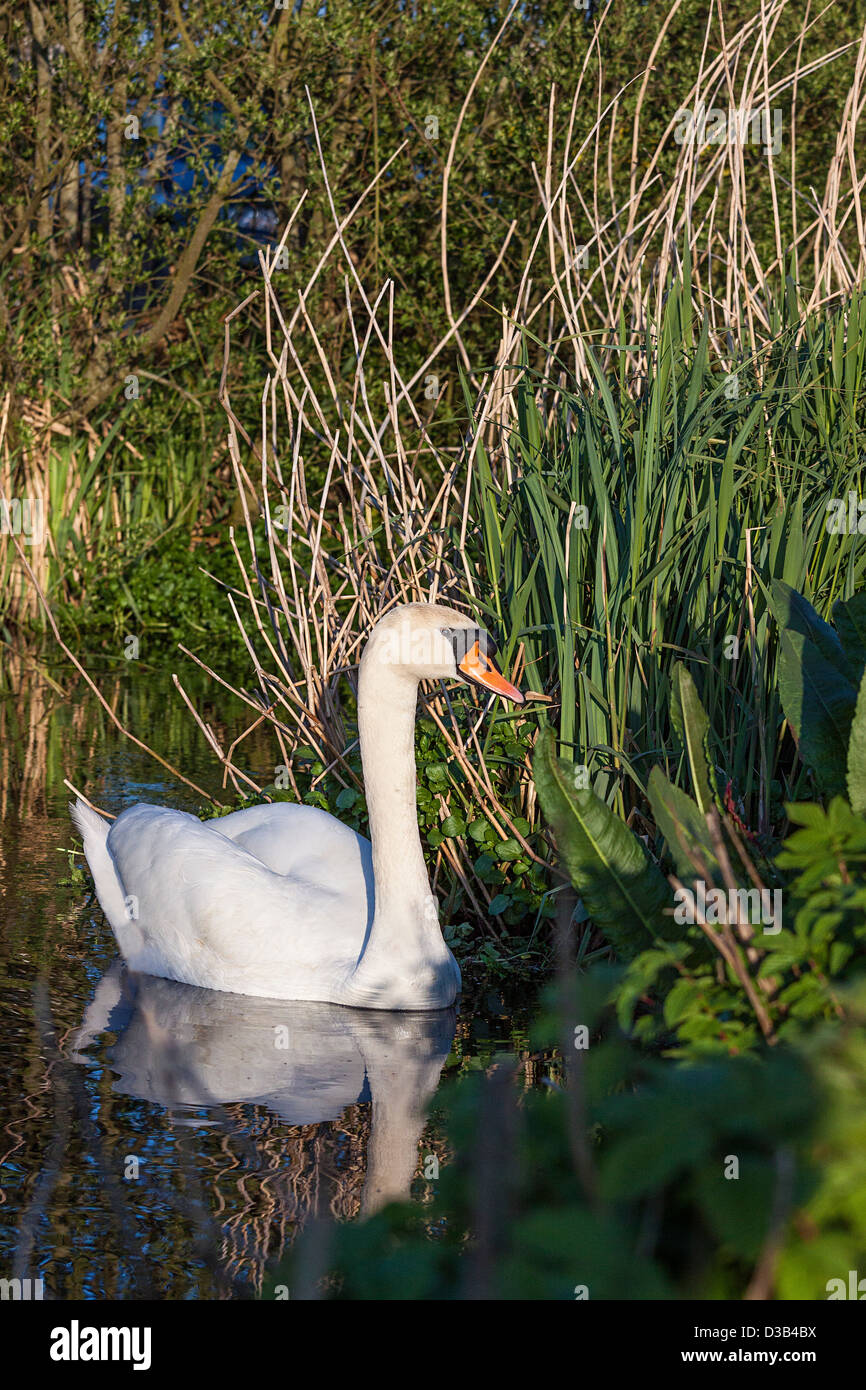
(158, 1140)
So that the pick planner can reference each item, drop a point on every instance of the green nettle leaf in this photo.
(819, 703)
(641, 974)
(499, 904)
(849, 615)
(682, 999)
(625, 893)
(693, 727)
(794, 613)
(857, 754)
(682, 825)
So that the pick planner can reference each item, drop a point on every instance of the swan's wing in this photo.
(301, 839)
(210, 913)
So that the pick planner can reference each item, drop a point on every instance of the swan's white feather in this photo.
(205, 909)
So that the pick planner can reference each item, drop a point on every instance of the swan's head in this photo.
(427, 641)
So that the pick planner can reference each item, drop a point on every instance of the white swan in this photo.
(283, 901)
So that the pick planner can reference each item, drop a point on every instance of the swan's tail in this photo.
(109, 888)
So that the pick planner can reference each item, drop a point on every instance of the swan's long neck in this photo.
(387, 699)
(404, 963)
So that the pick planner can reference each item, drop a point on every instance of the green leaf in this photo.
(507, 849)
(683, 998)
(640, 975)
(794, 613)
(624, 891)
(692, 726)
(682, 825)
(499, 904)
(452, 825)
(738, 1209)
(857, 754)
(819, 703)
(849, 615)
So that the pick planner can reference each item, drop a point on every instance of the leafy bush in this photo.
(713, 969)
(709, 1141)
(693, 1175)
(156, 587)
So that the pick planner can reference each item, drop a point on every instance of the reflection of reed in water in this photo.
(29, 747)
(312, 1172)
(306, 1172)
(48, 732)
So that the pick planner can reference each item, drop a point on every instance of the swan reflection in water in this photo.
(180, 1046)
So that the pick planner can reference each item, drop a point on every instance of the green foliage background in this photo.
(121, 280)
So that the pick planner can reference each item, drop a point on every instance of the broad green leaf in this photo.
(624, 892)
(692, 726)
(794, 613)
(819, 703)
(849, 615)
(857, 754)
(682, 825)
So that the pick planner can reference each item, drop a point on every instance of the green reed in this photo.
(641, 526)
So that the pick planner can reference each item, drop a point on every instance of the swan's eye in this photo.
(463, 639)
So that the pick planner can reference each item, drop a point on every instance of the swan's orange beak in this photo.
(478, 668)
